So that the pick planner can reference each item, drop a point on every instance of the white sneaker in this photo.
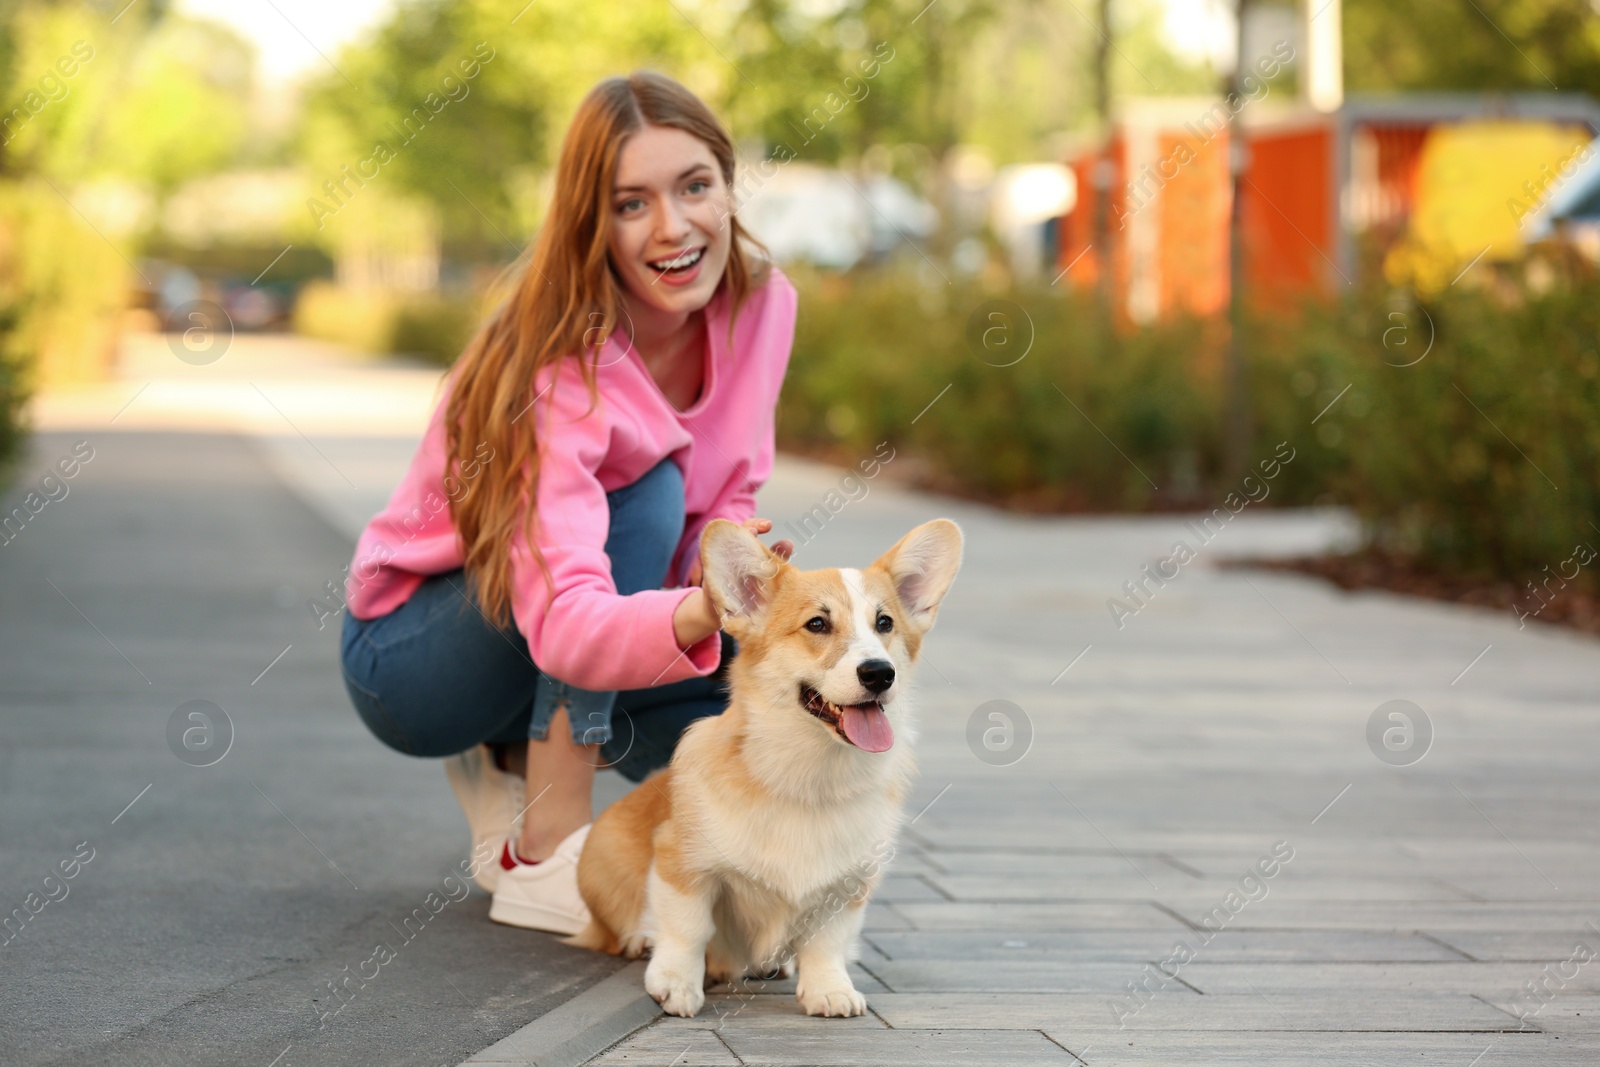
(493, 801)
(544, 895)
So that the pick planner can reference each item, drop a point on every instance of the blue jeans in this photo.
(433, 677)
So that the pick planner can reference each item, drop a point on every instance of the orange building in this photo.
(1312, 185)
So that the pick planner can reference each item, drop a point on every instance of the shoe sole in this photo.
(535, 917)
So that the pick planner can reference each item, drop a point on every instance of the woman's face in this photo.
(669, 220)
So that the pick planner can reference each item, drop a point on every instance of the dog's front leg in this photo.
(676, 975)
(822, 951)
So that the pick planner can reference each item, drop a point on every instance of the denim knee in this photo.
(357, 668)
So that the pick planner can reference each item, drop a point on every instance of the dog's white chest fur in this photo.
(798, 852)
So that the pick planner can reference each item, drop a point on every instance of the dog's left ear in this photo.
(922, 564)
(737, 573)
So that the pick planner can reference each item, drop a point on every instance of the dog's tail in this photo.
(595, 936)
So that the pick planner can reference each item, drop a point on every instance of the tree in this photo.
(1482, 45)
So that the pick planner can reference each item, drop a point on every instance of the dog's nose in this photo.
(876, 674)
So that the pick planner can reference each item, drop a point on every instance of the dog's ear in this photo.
(737, 572)
(922, 564)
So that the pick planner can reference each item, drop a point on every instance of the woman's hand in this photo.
(696, 618)
(782, 549)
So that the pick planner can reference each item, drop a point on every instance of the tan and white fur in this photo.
(758, 846)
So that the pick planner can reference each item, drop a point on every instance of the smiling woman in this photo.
(626, 391)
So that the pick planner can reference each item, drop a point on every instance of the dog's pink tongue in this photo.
(867, 727)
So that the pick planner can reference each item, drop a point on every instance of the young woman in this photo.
(527, 603)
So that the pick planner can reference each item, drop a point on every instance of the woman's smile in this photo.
(682, 268)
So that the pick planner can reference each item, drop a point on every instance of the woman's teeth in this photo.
(682, 261)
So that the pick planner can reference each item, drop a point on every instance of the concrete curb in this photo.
(580, 1029)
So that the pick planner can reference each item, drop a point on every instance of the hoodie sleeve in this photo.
(578, 628)
(736, 501)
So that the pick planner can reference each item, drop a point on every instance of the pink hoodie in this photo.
(589, 636)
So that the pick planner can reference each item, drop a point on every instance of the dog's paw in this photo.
(676, 992)
(842, 1001)
(636, 945)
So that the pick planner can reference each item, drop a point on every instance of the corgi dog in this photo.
(757, 847)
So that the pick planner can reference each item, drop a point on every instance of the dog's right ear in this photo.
(737, 572)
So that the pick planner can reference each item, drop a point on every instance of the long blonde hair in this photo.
(550, 316)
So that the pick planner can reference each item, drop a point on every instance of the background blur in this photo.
(1202, 223)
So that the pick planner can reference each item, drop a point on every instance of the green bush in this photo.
(1480, 458)
(1038, 429)
(423, 324)
(1483, 457)
(13, 391)
(436, 328)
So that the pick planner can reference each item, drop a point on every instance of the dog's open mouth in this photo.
(863, 725)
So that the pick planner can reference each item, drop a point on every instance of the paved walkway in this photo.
(1091, 900)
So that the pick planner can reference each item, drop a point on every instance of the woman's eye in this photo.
(817, 625)
(885, 624)
(629, 206)
(699, 185)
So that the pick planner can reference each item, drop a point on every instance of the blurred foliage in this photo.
(13, 387)
(433, 326)
(873, 357)
(65, 285)
(477, 158)
(1481, 45)
(329, 313)
(160, 98)
(1481, 458)
(97, 117)
(952, 76)
(1095, 418)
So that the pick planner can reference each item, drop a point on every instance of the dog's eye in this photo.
(817, 624)
(885, 624)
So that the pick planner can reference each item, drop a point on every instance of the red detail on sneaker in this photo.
(509, 858)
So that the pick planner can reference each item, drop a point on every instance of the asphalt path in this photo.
(210, 908)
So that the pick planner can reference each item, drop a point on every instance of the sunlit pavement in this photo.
(1086, 876)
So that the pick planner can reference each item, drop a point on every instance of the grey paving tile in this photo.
(1286, 946)
(1090, 1018)
(826, 1046)
(1209, 1049)
(660, 1046)
(1059, 975)
(882, 915)
(1405, 917)
(906, 888)
(1035, 916)
(1049, 861)
(1567, 1014)
(1181, 891)
(1530, 946)
(1433, 977)
(1004, 944)
(910, 860)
